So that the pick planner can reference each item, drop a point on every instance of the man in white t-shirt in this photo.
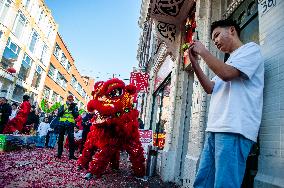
(42, 131)
(235, 108)
(77, 139)
(14, 110)
(77, 133)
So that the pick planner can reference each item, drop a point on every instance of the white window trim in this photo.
(31, 37)
(2, 8)
(16, 23)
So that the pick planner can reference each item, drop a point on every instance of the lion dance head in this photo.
(111, 100)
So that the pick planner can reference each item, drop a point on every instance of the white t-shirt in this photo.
(78, 135)
(43, 129)
(236, 105)
(13, 114)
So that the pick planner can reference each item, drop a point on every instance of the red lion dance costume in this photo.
(114, 128)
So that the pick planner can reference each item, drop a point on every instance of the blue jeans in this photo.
(223, 161)
(40, 141)
(52, 139)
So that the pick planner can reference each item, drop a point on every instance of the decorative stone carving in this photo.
(232, 7)
(160, 56)
(167, 7)
(168, 31)
(170, 11)
(168, 16)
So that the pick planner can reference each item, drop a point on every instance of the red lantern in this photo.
(11, 70)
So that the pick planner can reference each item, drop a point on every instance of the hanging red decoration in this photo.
(190, 35)
(11, 70)
(140, 80)
(135, 98)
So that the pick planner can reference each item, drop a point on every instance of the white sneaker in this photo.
(144, 178)
(88, 176)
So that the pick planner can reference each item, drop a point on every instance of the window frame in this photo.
(17, 22)
(28, 63)
(36, 41)
(6, 3)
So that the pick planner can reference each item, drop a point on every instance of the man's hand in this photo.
(192, 53)
(191, 56)
(198, 48)
(221, 69)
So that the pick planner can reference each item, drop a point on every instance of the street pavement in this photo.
(39, 168)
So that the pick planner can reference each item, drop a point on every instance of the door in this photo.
(161, 113)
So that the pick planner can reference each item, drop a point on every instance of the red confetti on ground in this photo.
(40, 168)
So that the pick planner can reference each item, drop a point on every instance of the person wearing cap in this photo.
(67, 114)
(5, 112)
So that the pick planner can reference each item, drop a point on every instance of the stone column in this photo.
(149, 99)
(199, 99)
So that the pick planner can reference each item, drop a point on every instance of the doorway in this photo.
(161, 112)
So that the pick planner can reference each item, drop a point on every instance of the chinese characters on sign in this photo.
(159, 140)
(146, 138)
(140, 80)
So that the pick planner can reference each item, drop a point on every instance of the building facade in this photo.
(176, 104)
(64, 78)
(32, 48)
(27, 35)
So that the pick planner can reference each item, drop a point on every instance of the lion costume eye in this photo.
(115, 93)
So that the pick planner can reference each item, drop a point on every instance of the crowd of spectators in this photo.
(44, 126)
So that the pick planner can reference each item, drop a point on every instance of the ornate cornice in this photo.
(170, 11)
(167, 7)
(232, 7)
(166, 16)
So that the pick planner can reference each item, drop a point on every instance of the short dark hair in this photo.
(4, 98)
(26, 98)
(225, 23)
(15, 104)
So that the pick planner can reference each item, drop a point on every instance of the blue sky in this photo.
(101, 35)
